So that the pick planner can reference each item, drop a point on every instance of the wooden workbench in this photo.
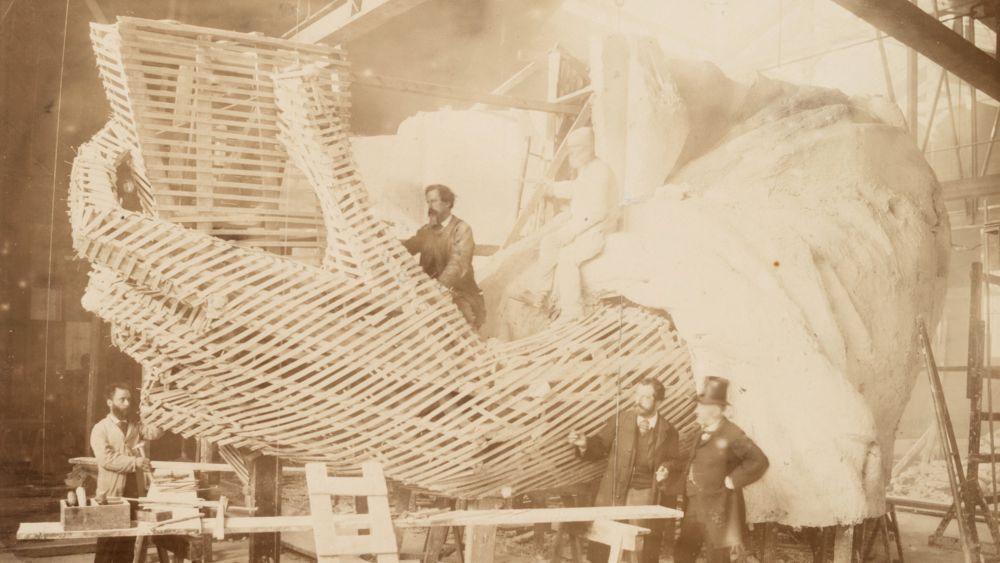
(480, 525)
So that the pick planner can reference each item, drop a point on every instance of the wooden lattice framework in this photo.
(249, 344)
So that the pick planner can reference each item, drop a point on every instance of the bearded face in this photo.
(120, 403)
(437, 210)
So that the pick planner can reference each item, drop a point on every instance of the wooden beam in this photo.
(265, 496)
(918, 29)
(966, 188)
(440, 91)
(96, 11)
(343, 21)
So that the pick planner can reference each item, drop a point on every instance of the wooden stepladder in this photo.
(966, 493)
(978, 386)
(334, 541)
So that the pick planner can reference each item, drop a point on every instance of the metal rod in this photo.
(954, 125)
(886, 72)
(934, 104)
(963, 146)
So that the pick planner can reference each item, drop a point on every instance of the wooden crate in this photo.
(114, 515)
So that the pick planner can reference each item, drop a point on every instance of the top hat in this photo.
(714, 391)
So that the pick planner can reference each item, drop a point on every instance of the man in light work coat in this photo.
(120, 464)
(723, 462)
(445, 245)
(644, 465)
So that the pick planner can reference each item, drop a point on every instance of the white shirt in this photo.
(650, 419)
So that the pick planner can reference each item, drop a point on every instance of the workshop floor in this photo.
(915, 529)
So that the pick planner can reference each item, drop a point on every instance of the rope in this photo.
(618, 405)
(52, 217)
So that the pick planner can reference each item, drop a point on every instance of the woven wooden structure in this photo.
(249, 340)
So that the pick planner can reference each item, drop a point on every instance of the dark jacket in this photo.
(446, 254)
(620, 450)
(727, 452)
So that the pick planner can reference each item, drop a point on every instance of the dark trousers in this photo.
(691, 540)
(114, 550)
(119, 550)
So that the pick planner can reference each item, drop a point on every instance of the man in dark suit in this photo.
(644, 465)
(724, 461)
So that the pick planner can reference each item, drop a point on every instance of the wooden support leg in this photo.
(575, 548)
(843, 544)
(768, 542)
(435, 541)
(894, 527)
(139, 553)
(265, 493)
(615, 552)
(480, 543)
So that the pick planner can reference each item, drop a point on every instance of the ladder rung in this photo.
(985, 458)
(987, 416)
(994, 371)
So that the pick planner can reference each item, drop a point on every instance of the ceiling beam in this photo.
(346, 20)
(921, 31)
(966, 188)
(96, 11)
(449, 92)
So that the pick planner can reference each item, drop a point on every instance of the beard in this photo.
(120, 414)
(432, 217)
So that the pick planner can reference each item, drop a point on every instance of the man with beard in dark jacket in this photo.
(644, 465)
(445, 246)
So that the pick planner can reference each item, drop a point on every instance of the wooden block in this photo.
(610, 532)
(111, 516)
(153, 515)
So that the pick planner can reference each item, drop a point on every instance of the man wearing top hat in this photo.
(724, 461)
(642, 450)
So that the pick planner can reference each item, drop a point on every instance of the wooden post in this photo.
(768, 541)
(92, 373)
(843, 544)
(480, 541)
(912, 71)
(265, 496)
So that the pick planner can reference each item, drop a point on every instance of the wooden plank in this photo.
(185, 30)
(521, 517)
(383, 537)
(918, 29)
(440, 91)
(975, 187)
(265, 495)
(609, 532)
(342, 21)
(233, 525)
(170, 465)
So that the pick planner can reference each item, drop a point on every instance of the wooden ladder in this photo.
(332, 542)
(966, 494)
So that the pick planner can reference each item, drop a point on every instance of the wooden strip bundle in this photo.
(362, 358)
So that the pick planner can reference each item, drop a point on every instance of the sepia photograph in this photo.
(499, 281)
